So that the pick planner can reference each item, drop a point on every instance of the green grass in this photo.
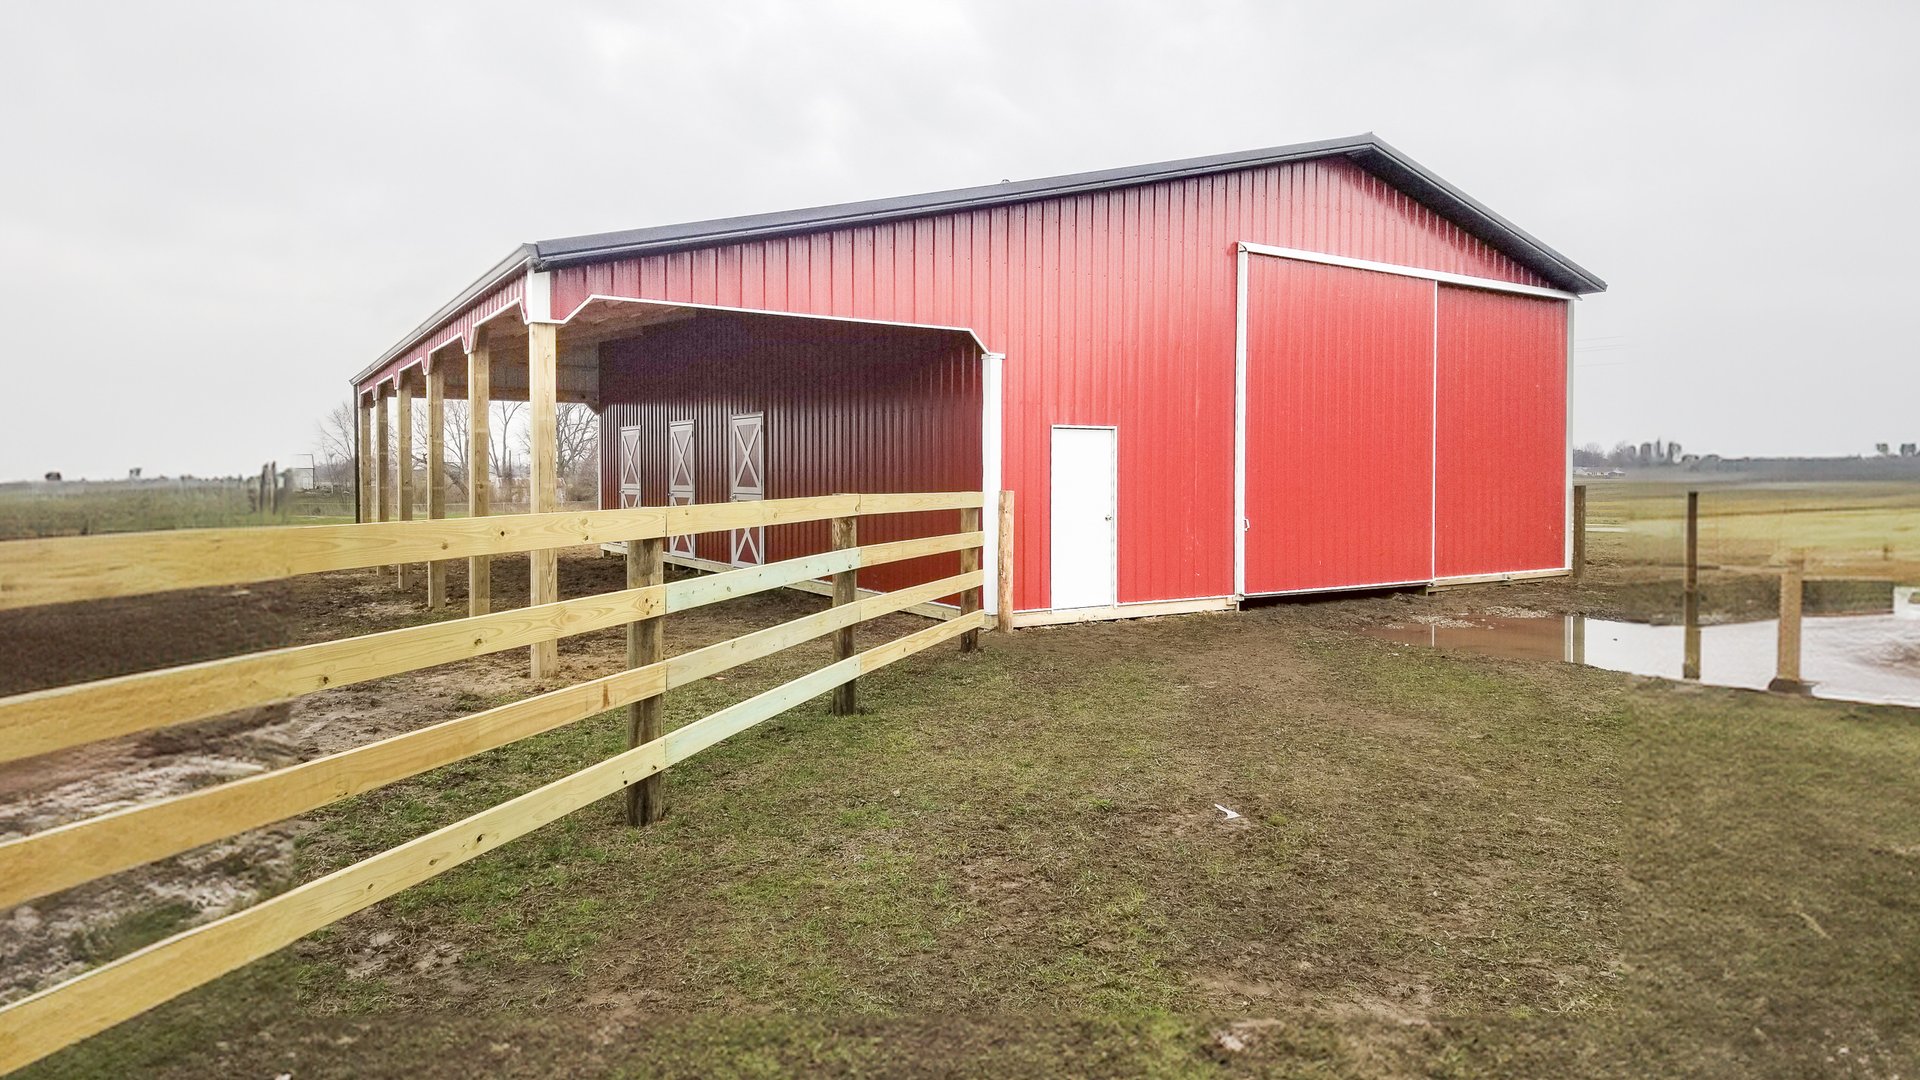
(1011, 864)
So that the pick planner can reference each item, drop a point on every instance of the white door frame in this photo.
(1113, 479)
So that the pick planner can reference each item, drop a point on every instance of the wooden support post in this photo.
(403, 461)
(1579, 531)
(646, 644)
(363, 459)
(846, 589)
(543, 358)
(383, 460)
(1690, 603)
(437, 474)
(969, 562)
(479, 469)
(1003, 619)
(1792, 585)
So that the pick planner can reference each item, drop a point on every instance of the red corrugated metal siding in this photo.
(848, 406)
(1339, 427)
(1115, 307)
(510, 294)
(1501, 484)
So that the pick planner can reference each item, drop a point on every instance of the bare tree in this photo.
(576, 457)
(459, 442)
(336, 443)
(504, 417)
(507, 432)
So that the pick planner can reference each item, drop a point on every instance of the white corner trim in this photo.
(539, 297)
(1567, 506)
(992, 419)
(1240, 423)
(1493, 284)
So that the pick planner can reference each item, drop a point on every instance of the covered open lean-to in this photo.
(1300, 369)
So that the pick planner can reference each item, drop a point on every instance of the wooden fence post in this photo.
(1579, 531)
(969, 562)
(1787, 670)
(846, 589)
(646, 644)
(1690, 603)
(1003, 619)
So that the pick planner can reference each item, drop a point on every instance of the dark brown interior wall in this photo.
(849, 407)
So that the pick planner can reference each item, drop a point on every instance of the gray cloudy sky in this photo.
(213, 214)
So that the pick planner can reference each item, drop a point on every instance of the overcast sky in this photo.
(212, 215)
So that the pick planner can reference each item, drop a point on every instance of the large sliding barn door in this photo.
(747, 482)
(1339, 427)
(680, 475)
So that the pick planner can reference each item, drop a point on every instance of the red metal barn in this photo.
(1306, 368)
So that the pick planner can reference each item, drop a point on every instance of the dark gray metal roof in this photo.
(1368, 151)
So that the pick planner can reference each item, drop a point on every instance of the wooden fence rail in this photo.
(54, 571)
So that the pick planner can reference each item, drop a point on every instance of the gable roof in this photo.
(1368, 151)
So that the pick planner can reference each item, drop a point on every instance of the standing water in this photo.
(1866, 658)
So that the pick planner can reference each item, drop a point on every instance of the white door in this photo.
(1085, 468)
(680, 478)
(747, 473)
(629, 467)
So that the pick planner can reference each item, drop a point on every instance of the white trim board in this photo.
(1144, 609)
(1406, 271)
(591, 297)
(1497, 579)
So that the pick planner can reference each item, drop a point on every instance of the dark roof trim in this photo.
(1368, 151)
(502, 272)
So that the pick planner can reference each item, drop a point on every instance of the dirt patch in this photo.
(55, 937)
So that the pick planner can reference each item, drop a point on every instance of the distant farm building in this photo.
(1300, 369)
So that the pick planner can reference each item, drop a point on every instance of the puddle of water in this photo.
(1867, 658)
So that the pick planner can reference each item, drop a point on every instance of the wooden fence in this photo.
(34, 572)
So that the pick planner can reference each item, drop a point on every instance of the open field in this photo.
(1860, 537)
(1847, 527)
(1011, 864)
(79, 508)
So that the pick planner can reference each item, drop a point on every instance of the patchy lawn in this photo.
(1012, 864)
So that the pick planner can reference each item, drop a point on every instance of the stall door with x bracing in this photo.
(747, 482)
(629, 467)
(680, 479)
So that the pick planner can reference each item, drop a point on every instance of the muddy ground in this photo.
(52, 939)
(1014, 863)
